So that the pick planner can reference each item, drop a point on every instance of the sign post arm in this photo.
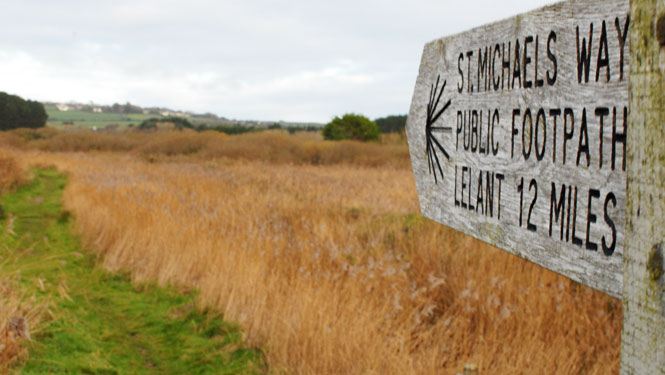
(643, 335)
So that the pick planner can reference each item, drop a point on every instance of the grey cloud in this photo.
(269, 60)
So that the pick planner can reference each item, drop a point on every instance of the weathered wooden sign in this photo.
(517, 133)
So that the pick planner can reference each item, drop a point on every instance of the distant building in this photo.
(169, 113)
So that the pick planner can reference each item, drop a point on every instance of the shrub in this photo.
(391, 124)
(178, 123)
(351, 126)
(229, 129)
(16, 112)
(28, 134)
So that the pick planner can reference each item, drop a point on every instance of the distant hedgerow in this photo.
(178, 122)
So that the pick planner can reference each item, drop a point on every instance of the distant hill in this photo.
(119, 115)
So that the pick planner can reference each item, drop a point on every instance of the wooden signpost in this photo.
(544, 135)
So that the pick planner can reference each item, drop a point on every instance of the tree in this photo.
(351, 126)
(18, 113)
(130, 108)
(36, 114)
(391, 124)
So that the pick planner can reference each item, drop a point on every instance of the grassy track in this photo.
(102, 323)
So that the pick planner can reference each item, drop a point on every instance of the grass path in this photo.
(101, 322)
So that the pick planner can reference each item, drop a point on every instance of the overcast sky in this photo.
(298, 60)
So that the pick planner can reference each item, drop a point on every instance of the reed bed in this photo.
(330, 270)
(14, 307)
(275, 146)
(17, 313)
(11, 173)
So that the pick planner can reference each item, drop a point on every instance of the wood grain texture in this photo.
(534, 153)
(643, 335)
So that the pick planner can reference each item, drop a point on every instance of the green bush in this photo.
(18, 113)
(351, 126)
(178, 122)
(391, 124)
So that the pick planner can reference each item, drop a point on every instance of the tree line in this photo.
(15, 112)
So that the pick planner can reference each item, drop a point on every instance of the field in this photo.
(318, 251)
(100, 120)
(90, 119)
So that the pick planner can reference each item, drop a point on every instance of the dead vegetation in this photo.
(14, 329)
(325, 262)
(275, 146)
(11, 174)
(14, 307)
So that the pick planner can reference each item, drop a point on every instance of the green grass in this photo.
(58, 118)
(90, 119)
(104, 324)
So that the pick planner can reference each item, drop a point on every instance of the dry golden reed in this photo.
(14, 307)
(19, 312)
(14, 327)
(277, 147)
(11, 174)
(330, 270)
